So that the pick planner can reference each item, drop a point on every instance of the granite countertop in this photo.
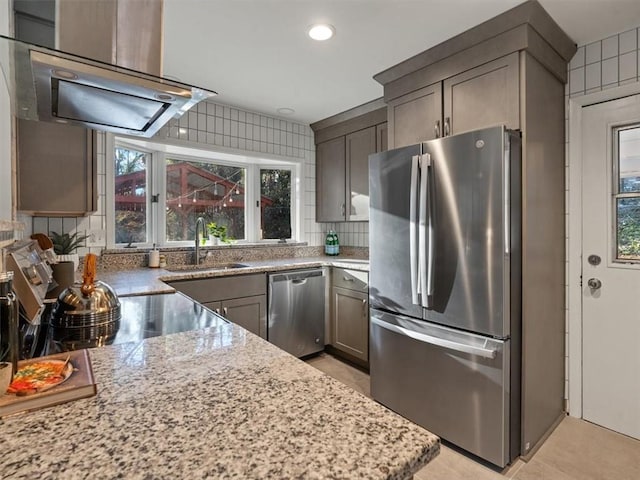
(214, 403)
(145, 281)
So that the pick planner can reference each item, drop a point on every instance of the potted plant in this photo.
(65, 246)
(217, 233)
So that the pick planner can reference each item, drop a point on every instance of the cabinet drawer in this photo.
(350, 279)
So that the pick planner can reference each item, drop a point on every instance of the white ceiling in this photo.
(256, 55)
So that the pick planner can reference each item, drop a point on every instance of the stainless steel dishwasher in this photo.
(296, 311)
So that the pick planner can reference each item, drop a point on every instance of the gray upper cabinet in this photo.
(330, 182)
(359, 145)
(480, 97)
(56, 169)
(483, 96)
(510, 70)
(343, 145)
(56, 164)
(415, 117)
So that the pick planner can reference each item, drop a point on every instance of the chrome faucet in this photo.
(199, 226)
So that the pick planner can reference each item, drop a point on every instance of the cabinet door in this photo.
(484, 96)
(214, 306)
(248, 312)
(351, 322)
(56, 169)
(381, 138)
(415, 117)
(359, 145)
(330, 181)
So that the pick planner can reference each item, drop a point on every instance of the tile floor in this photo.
(576, 450)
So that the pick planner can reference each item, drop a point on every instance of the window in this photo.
(130, 190)
(203, 189)
(159, 191)
(275, 203)
(627, 192)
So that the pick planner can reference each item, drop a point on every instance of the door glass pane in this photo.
(203, 189)
(627, 199)
(628, 228)
(130, 195)
(629, 160)
(275, 203)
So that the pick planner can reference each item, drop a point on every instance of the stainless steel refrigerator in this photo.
(445, 288)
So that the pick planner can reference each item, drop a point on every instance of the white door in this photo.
(611, 264)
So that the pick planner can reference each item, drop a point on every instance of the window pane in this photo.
(130, 195)
(275, 203)
(202, 189)
(629, 160)
(628, 213)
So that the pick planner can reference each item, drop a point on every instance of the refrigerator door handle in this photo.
(425, 235)
(413, 220)
(441, 342)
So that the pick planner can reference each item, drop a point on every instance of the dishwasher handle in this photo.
(296, 276)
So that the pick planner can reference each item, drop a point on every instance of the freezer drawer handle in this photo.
(441, 342)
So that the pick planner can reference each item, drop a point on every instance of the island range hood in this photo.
(53, 86)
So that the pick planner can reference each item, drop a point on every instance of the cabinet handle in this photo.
(217, 310)
(447, 127)
(347, 279)
(344, 209)
(437, 129)
(364, 307)
(225, 311)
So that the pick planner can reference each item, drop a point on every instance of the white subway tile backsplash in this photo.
(593, 52)
(592, 76)
(628, 67)
(576, 80)
(219, 111)
(610, 71)
(628, 41)
(610, 47)
(242, 116)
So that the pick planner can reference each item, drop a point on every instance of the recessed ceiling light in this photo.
(321, 31)
(286, 111)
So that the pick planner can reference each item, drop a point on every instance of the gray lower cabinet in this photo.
(350, 313)
(241, 299)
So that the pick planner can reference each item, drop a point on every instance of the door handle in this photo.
(594, 283)
(441, 342)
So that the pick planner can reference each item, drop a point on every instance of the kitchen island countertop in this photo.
(213, 403)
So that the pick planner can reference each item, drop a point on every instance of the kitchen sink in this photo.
(200, 268)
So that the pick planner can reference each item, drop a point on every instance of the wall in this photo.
(5, 130)
(608, 63)
(214, 126)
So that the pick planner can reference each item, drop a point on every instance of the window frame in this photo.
(159, 151)
(616, 195)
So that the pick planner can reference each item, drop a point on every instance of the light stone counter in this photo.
(213, 403)
(145, 281)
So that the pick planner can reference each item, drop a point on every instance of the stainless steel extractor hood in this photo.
(53, 86)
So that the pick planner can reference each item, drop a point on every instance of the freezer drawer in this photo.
(454, 384)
